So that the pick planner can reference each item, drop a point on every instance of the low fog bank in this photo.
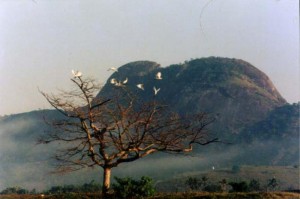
(25, 164)
(35, 174)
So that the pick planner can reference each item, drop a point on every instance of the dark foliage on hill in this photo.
(276, 137)
(281, 123)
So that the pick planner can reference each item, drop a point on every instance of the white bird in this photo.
(113, 69)
(140, 86)
(113, 81)
(158, 76)
(76, 73)
(156, 90)
(213, 168)
(118, 84)
(125, 81)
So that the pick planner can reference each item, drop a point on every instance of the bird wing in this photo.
(113, 69)
(78, 74)
(156, 90)
(140, 86)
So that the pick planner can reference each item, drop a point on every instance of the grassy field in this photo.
(195, 195)
(175, 188)
(286, 176)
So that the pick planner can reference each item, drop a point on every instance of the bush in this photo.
(254, 185)
(212, 188)
(223, 183)
(14, 190)
(273, 184)
(85, 188)
(91, 187)
(129, 188)
(193, 183)
(239, 186)
(204, 181)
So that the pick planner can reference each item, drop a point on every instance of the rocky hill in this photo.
(235, 91)
(249, 111)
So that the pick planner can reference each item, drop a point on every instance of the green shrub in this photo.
(193, 183)
(129, 188)
(212, 188)
(254, 185)
(85, 188)
(204, 181)
(223, 183)
(14, 190)
(273, 184)
(239, 186)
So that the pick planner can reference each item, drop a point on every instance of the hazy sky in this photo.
(41, 41)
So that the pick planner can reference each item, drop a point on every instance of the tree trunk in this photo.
(106, 182)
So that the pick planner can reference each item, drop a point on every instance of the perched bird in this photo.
(155, 90)
(213, 168)
(140, 86)
(113, 69)
(113, 81)
(125, 81)
(158, 76)
(76, 73)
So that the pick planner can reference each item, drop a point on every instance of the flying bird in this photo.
(125, 81)
(76, 73)
(113, 69)
(113, 81)
(140, 86)
(118, 83)
(156, 90)
(158, 76)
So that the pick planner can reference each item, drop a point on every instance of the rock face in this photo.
(235, 91)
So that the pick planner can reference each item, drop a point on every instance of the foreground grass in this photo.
(195, 195)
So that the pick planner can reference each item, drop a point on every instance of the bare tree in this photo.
(108, 132)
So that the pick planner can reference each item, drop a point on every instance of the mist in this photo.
(25, 164)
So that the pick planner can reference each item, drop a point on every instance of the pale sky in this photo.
(41, 41)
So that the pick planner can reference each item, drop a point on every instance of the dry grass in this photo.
(23, 196)
(186, 195)
(56, 196)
